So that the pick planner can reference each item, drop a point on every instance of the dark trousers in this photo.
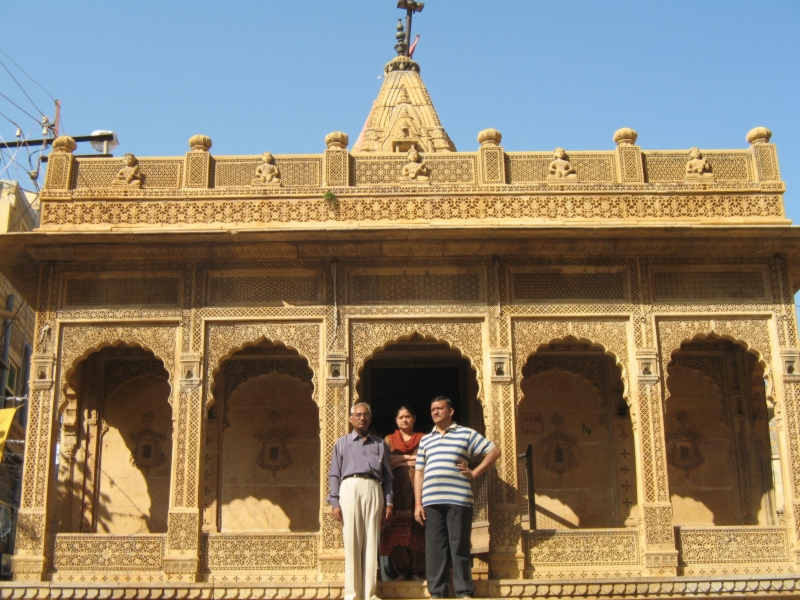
(447, 532)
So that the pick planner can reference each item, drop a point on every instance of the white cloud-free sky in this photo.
(278, 76)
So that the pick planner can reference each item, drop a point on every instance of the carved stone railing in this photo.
(233, 557)
(715, 550)
(590, 552)
(98, 557)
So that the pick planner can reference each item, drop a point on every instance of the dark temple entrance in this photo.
(413, 372)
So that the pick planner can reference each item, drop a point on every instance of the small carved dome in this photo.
(759, 135)
(64, 143)
(337, 139)
(200, 143)
(490, 137)
(625, 136)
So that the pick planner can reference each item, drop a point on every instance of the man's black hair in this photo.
(443, 399)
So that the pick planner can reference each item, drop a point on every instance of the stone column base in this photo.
(661, 563)
(182, 569)
(29, 568)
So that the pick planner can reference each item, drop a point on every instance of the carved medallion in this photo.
(148, 453)
(274, 455)
(559, 456)
(683, 450)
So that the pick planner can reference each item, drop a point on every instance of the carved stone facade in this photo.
(652, 369)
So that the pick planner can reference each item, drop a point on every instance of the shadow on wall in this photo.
(270, 457)
(573, 414)
(717, 437)
(136, 458)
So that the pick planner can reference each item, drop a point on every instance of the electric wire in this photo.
(10, 74)
(19, 107)
(28, 76)
(14, 123)
(13, 157)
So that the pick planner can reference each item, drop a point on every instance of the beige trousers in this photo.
(362, 505)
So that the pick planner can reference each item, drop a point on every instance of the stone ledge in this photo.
(766, 586)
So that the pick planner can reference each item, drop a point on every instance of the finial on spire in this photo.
(401, 45)
(410, 6)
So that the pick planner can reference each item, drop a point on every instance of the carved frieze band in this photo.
(390, 207)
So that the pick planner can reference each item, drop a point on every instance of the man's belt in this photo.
(363, 476)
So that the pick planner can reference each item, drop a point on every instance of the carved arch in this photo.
(79, 341)
(367, 338)
(752, 334)
(611, 336)
(224, 340)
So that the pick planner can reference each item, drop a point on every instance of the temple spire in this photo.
(403, 116)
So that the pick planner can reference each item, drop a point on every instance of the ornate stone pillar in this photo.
(197, 170)
(492, 157)
(337, 160)
(30, 560)
(785, 349)
(333, 415)
(182, 555)
(506, 559)
(629, 156)
(658, 543)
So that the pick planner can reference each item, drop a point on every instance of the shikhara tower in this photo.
(204, 323)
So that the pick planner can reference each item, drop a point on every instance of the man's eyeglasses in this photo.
(361, 415)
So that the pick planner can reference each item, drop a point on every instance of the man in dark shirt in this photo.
(360, 481)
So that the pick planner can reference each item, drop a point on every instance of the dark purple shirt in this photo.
(353, 455)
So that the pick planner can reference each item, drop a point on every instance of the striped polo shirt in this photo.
(437, 456)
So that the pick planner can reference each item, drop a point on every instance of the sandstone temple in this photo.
(620, 322)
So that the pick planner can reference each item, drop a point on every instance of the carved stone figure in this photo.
(267, 173)
(561, 169)
(415, 169)
(697, 167)
(129, 175)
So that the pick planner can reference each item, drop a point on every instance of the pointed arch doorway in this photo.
(412, 372)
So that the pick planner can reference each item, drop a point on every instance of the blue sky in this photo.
(278, 76)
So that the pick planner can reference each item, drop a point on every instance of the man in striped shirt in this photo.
(443, 496)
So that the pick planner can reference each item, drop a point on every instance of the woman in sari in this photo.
(402, 538)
